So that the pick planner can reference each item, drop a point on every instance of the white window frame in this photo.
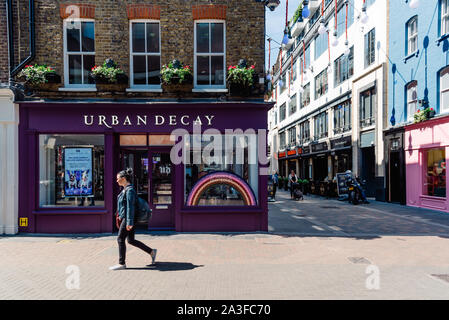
(66, 55)
(195, 54)
(444, 72)
(413, 36)
(444, 16)
(143, 87)
(414, 87)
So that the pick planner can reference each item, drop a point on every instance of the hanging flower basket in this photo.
(109, 77)
(39, 78)
(423, 115)
(176, 77)
(240, 79)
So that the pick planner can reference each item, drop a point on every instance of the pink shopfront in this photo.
(426, 149)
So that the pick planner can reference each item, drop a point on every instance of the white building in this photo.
(329, 116)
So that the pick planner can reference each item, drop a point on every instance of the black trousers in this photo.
(274, 190)
(122, 235)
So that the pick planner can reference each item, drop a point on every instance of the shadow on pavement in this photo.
(169, 266)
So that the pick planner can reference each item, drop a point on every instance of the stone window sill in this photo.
(78, 89)
(209, 90)
(143, 90)
(414, 54)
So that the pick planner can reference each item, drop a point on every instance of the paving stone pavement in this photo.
(340, 251)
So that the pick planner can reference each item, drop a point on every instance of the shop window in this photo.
(71, 171)
(236, 156)
(444, 90)
(79, 52)
(321, 84)
(344, 67)
(436, 172)
(412, 99)
(210, 52)
(370, 47)
(133, 140)
(444, 16)
(412, 35)
(145, 64)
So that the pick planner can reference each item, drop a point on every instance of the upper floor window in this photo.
(412, 35)
(412, 99)
(444, 90)
(367, 101)
(282, 112)
(369, 2)
(304, 132)
(145, 53)
(292, 136)
(321, 125)
(344, 67)
(320, 45)
(282, 140)
(321, 84)
(444, 17)
(283, 83)
(292, 105)
(210, 52)
(79, 52)
(342, 117)
(305, 96)
(294, 72)
(341, 19)
(370, 49)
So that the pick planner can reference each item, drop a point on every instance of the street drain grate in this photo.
(329, 207)
(359, 260)
(444, 277)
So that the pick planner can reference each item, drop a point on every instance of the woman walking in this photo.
(126, 205)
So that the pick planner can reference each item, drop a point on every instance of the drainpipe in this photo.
(15, 70)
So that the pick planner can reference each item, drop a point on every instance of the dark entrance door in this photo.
(137, 159)
(368, 171)
(396, 177)
(161, 189)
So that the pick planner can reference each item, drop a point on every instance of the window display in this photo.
(71, 170)
(235, 158)
(436, 172)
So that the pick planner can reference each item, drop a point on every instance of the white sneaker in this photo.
(118, 267)
(153, 255)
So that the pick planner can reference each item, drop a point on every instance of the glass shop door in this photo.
(138, 161)
(161, 189)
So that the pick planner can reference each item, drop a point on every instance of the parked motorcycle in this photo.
(355, 189)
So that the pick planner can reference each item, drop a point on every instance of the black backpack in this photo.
(143, 212)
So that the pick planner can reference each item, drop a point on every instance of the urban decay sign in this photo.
(145, 120)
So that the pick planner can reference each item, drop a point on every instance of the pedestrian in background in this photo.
(275, 178)
(292, 178)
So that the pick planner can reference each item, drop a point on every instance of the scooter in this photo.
(355, 191)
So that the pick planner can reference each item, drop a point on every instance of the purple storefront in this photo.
(70, 154)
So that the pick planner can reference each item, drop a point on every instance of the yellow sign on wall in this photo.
(23, 222)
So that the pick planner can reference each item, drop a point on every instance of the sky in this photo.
(275, 23)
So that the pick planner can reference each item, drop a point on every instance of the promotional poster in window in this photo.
(78, 172)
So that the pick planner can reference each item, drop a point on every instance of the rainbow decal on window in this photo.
(221, 177)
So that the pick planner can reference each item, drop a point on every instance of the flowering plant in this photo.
(36, 74)
(175, 72)
(108, 73)
(424, 114)
(241, 75)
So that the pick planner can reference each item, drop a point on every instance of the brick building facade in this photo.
(61, 192)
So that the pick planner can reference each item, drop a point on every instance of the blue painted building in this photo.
(418, 77)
